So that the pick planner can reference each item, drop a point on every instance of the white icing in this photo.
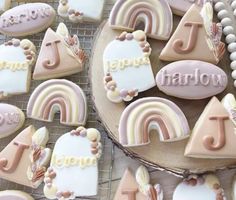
(140, 77)
(226, 21)
(228, 30)
(187, 192)
(13, 81)
(230, 38)
(81, 181)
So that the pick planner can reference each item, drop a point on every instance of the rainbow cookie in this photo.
(127, 54)
(138, 187)
(73, 171)
(58, 95)
(152, 113)
(25, 158)
(155, 14)
(11, 119)
(213, 135)
(14, 195)
(196, 37)
(16, 60)
(206, 187)
(60, 55)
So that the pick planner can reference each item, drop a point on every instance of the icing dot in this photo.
(228, 29)
(139, 35)
(219, 6)
(226, 21)
(233, 74)
(222, 14)
(230, 38)
(233, 4)
(114, 96)
(232, 47)
(92, 134)
(233, 56)
(123, 93)
(233, 65)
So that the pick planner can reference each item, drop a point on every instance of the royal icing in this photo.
(155, 15)
(152, 113)
(16, 59)
(229, 102)
(26, 19)
(183, 78)
(11, 119)
(180, 7)
(226, 12)
(127, 54)
(213, 134)
(196, 37)
(24, 159)
(14, 195)
(206, 187)
(58, 95)
(4, 5)
(139, 187)
(80, 10)
(73, 171)
(60, 55)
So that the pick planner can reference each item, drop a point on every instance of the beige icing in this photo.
(210, 128)
(201, 51)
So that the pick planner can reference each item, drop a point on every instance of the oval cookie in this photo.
(26, 19)
(14, 195)
(11, 119)
(183, 78)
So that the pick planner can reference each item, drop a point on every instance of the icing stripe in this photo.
(150, 113)
(62, 95)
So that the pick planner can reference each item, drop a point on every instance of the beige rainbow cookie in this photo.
(60, 55)
(196, 37)
(206, 187)
(73, 171)
(81, 10)
(14, 195)
(58, 95)
(138, 187)
(213, 135)
(16, 60)
(155, 15)
(127, 54)
(25, 158)
(4, 5)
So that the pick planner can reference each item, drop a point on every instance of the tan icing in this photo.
(201, 51)
(206, 127)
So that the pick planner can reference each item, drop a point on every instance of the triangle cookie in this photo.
(138, 188)
(196, 37)
(60, 55)
(213, 135)
(24, 159)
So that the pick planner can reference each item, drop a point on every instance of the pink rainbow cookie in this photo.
(155, 14)
(58, 95)
(152, 113)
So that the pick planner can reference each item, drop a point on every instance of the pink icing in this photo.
(10, 118)
(27, 18)
(183, 78)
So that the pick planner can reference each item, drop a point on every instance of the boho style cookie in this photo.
(73, 171)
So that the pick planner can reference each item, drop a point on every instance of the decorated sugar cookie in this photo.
(16, 59)
(196, 37)
(60, 55)
(58, 95)
(152, 113)
(4, 5)
(205, 187)
(80, 10)
(24, 159)
(127, 67)
(26, 19)
(73, 171)
(11, 119)
(180, 7)
(156, 16)
(229, 102)
(14, 195)
(138, 187)
(183, 78)
(213, 135)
